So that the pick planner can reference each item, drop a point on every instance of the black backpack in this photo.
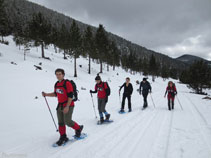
(75, 91)
(108, 90)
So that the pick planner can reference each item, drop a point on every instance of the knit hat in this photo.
(97, 78)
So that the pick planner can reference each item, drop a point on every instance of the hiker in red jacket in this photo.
(172, 91)
(63, 90)
(102, 90)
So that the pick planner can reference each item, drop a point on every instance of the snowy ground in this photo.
(27, 130)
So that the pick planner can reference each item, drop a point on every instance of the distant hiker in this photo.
(64, 91)
(172, 91)
(144, 89)
(103, 91)
(128, 90)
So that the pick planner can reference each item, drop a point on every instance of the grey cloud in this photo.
(150, 23)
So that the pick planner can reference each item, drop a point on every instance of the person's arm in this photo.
(175, 89)
(95, 91)
(166, 92)
(53, 94)
(131, 91)
(140, 88)
(121, 87)
(69, 95)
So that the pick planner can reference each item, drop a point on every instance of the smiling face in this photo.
(59, 76)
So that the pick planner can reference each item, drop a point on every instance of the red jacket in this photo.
(62, 93)
(172, 91)
(101, 90)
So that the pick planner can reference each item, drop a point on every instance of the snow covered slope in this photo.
(26, 129)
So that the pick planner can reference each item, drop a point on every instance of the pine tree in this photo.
(145, 67)
(199, 76)
(75, 43)
(115, 53)
(40, 31)
(4, 22)
(89, 46)
(153, 67)
(164, 72)
(102, 42)
(62, 39)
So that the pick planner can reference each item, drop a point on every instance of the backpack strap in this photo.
(64, 85)
(56, 84)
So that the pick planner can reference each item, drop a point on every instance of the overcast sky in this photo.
(172, 27)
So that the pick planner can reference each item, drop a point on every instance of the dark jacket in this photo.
(127, 90)
(145, 87)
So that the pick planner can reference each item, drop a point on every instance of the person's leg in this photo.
(103, 105)
(172, 103)
(62, 129)
(100, 109)
(129, 102)
(123, 102)
(68, 119)
(169, 104)
(60, 116)
(145, 100)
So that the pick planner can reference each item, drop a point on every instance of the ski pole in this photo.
(51, 114)
(152, 100)
(93, 105)
(179, 102)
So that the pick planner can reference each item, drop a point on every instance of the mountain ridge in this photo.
(23, 10)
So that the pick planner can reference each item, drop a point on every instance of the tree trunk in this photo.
(107, 67)
(75, 71)
(89, 69)
(101, 66)
(65, 54)
(153, 78)
(2, 38)
(113, 67)
(55, 49)
(42, 48)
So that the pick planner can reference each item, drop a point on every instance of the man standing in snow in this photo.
(128, 90)
(144, 89)
(172, 91)
(63, 90)
(101, 88)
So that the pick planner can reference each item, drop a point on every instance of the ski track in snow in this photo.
(201, 126)
(150, 133)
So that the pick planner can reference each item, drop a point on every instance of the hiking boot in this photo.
(78, 132)
(101, 120)
(122, 110)
(107, 117)
(62, 140)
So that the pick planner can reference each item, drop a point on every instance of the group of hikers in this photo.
(65, 91)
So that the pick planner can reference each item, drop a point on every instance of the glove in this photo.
(91, 91)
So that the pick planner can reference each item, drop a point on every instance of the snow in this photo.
(27, 129)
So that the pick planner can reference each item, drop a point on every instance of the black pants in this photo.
(145, 99)
(171, 106)
(129, 101)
